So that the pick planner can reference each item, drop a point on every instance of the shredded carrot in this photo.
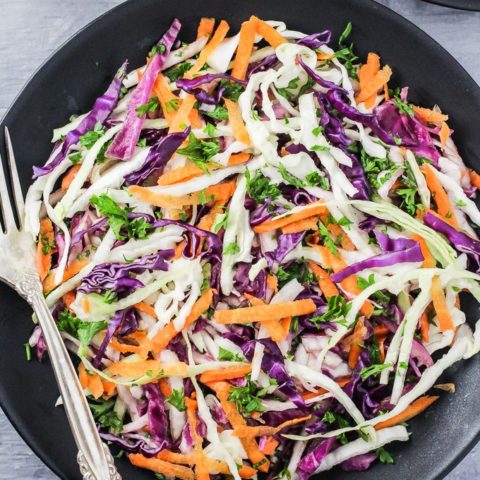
(45, 248)
(205, 27)
(220, 192)
(444, 206)
(356, 346)
(444, 317)
(217, 38)
(180, 121)
(327, 286)
(108, 388)
(201, 469)
(430, 116)
(164, 337)
(136, 342)
(475, 178)
(301, 225)
(321, 391)
(313, 209)
(372, 79)
(95, 385)
(324, 56)
(160, 466)
(151, 368)
(424, 327)
(166, 98)
(255, 455)
(428, 260)
(340, 234)
(145, 308)
(214, 466)
(238, 159)
(68, 178)
(444, 134)
(270, 446)
(244, 50)
(264, 313)
(72, 270)
(86, 305)
(273, 327)
(272, 282)
(349, 284)
(236, 122)
(228, 373)
(258, 431)
(166, 392)
(380, 330)
(268, 32)
(69, 298)
(418, 406)
(83, 376)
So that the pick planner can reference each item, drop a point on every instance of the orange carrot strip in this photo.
(444, 134)
(258, 431)
(108, 387)
(270, 446)
(357, 343)
(350, 284)
(428, 260)
(217, 38)
(372, 79)
(166, 98)
(154, 367)
(444, 206)
(272, 282)
(205, 27)
(136, 342)
(145, 308)
(337, 231)
(95, 385)
(264, 313)
(301, 225)
(236, 121)
(272, 326)
(430, 116)
(324, 56)
(214, 466)
(201, 469)
(238, 159)
(68, 178)
(159, 466)
(180, 121)
(166, 392)
(326, 284)
(444, 317)
(418, 406)
(314, 209)
(228, 373)
(380, 330)
(220, 192)
(268, 32)
(45, 248)
(86, 305)
(320, 391)
(222, 390)
(72, 270)
(424, 327)
(244, 50)
(164, 336)
(69, 298)
(83, 376)
(475, 178)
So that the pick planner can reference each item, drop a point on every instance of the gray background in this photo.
(31, 29)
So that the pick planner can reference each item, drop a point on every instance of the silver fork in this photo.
(17, 270)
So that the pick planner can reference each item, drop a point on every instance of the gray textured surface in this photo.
(31, 29)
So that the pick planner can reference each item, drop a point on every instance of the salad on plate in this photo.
(258, 249)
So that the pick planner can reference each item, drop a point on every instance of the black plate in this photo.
(473, 5)
(72, 78)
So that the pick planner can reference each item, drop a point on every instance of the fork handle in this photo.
(94, 458)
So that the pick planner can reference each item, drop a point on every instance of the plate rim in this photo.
(125, 4)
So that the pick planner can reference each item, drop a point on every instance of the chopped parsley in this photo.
(408, 193)
(179, 71)
(345, 53)
(259, 188)
(149, 107)
(48, 244)
(364, 283)
(177, 399)
(289, 178)
(221, 221)
(209, 130)
(219, 113)
(28, 351)
(326, 238)
(248, 398)
(231, 249)
(384, 456)
(227, 355)
(374, 166)
(297, 270)
(373, 370)
(200, 151)
(233, 90)
(75, 157)
(341, 422)
(314, 179)
(403, 107)
(157, 49)
(337, 308)
(103, 412)
(90, 138)
(172, 105)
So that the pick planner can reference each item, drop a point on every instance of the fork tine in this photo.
(16, 187)
(8, 219)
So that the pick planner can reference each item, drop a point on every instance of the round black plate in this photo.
(473, 5)
(70, 81)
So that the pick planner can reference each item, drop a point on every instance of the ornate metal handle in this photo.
(94, 458)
